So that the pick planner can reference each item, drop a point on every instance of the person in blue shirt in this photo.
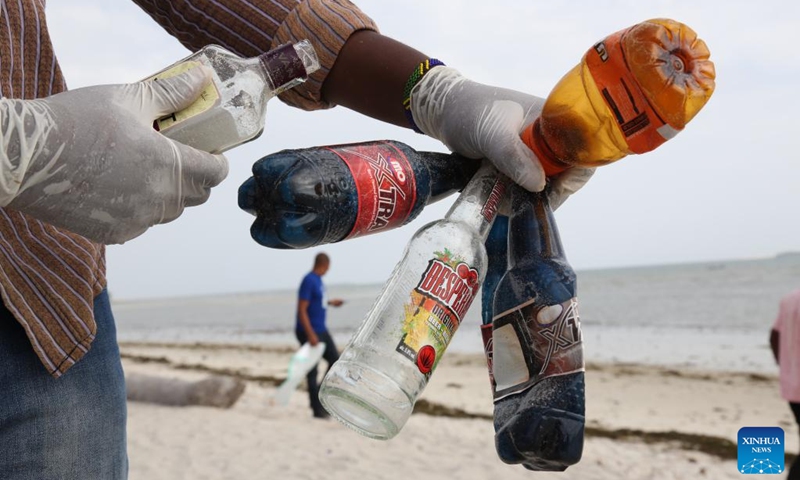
(312, 303)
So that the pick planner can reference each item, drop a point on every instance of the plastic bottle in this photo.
(537, 345)
(232, 109)
(497, 253)
(302, 361)
(373, 386)
(497, 263)
(630, 93)
(313, 196)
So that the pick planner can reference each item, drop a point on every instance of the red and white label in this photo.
(489, 210)
(454, 289)
(386, 186)
(437, 305)
(636, 119)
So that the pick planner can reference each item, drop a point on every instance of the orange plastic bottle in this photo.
(632, 91)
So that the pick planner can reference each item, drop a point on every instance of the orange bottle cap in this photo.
(654, 77)
(672, 66)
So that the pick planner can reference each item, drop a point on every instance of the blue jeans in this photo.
(70, 428)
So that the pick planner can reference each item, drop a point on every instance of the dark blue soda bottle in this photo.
(497, 254)
(313, 196)
(537, 346)
(497, 257)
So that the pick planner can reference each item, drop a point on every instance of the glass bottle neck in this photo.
(532, 232)
(288, 65)
(478, 203)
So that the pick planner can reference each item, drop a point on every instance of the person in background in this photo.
(312, 303)
(77, 170)
(785, 343)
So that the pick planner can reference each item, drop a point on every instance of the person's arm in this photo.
(475, 120)
(305, 322)
(775, 333)
(775, 345)
(336, 302)
(367, 72)
(246, 28)
(479, 121)
(304, 296)
(253, 27)
(370, 74)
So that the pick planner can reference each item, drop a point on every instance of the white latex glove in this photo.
(89, 161)
(481, 121)
(566, 183)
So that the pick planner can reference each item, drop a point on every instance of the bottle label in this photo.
(488, 350)
(208, 98)
(532, 342)
(489, 209)
(437, 306)
(286, 69)
(642, 127)
(386, 186)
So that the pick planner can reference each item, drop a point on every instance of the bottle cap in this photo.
(290, 64)
(672, 66)
(654, 77)
(307, 55)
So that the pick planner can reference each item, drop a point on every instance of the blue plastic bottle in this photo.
(497, 257)
(537, 346)
(497, 253)
(308, 197)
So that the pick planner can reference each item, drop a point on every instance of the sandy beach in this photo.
(643, 422)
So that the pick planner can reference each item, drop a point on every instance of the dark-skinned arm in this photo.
(305, 322)
(369, 76)
(249, 28)
(366, 74)
(774, 344)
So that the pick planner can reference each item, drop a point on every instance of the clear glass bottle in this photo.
(231, 110)
(372, 388)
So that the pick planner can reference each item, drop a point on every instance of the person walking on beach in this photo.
(785, 343)
(312, 303)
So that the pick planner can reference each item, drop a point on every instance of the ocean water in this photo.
(711, 316)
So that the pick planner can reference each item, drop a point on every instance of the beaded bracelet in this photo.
(412, 82)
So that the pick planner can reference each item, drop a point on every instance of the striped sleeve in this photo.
(48, 277)
(250, 27)
(328, 25)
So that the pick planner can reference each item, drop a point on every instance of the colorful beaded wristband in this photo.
(413, 80)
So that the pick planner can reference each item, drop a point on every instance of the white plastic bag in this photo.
(301, 363)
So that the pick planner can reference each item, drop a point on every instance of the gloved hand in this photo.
(566, 183)
(89, 161)
(481, 121)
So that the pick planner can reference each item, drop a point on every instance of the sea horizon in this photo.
(713, 315)
(787, 255)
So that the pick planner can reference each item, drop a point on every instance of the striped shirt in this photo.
(48, 276)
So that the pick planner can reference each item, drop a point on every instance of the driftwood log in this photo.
(215, 391)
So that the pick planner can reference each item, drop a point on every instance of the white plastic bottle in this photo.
(231, 110)
(372, 388)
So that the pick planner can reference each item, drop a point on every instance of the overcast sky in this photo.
(725, 188)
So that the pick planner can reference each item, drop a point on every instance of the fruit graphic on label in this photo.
(436, 307)
(468, 274)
